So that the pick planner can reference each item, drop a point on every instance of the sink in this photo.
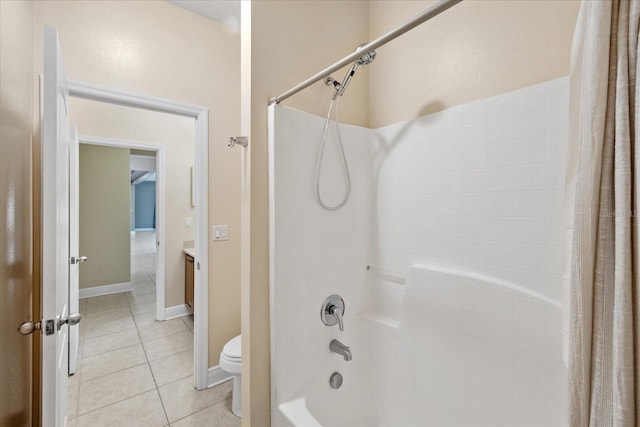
(190, 251)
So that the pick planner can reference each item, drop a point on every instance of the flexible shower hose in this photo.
(344, 159)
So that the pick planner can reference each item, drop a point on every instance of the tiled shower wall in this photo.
(478, 187)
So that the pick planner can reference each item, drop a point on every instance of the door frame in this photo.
(160, 206)
(201, 166)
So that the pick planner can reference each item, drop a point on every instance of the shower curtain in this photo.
(604, 178)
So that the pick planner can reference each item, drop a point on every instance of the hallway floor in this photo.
(134, 371)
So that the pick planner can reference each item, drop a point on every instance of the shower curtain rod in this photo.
(420, 18)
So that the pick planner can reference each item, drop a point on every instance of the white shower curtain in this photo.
(604, 326)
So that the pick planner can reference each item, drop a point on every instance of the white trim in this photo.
(129, 99)
(139, 162)
(160, 232)
(217, 376)
(176, 311)
(271, 141)
(201, 235)
(201, 270)
(97, 291)
(125, 143)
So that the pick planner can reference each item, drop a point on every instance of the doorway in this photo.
(202, 377)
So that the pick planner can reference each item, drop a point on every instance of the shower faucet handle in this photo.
(338, 313)
(332, 311)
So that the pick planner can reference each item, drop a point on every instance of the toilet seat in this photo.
(233, 349)
(231, 356)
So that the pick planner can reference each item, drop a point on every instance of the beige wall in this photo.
(289, 42)
(158, 49)
(16, 232)
(472, 51)
(173, 133)
(104, 215)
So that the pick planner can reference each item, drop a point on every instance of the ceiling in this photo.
(226, 12)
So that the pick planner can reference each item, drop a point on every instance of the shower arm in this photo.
(420, 18)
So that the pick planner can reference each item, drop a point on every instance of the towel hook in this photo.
(240, 140)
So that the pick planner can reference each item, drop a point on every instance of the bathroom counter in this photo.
(190, 251)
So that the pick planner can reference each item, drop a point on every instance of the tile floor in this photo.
(134, 371)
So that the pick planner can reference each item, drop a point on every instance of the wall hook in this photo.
(240, 140)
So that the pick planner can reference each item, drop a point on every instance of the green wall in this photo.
(105, 238)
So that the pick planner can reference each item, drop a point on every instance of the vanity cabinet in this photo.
(188, 280)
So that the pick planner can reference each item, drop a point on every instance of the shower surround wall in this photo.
(462, 208)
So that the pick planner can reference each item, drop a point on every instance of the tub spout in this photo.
(337, 347)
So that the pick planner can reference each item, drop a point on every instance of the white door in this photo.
(55, 234)
(74, 245)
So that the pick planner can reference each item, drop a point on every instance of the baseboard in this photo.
(217, 376)
(176, 311)
(97, 291)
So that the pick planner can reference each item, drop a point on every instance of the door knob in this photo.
(28, 327)
(78, 260)
(72, 319)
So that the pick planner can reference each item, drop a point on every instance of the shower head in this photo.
(365, 59)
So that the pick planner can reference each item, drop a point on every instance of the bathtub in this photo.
(467, 349)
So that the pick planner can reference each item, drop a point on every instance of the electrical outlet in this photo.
(187, 223)
(220, 232)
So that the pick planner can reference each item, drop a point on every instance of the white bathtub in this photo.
(467, 350)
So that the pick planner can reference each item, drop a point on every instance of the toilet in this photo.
(231, 363)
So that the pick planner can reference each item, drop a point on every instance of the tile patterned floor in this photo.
(134, 371)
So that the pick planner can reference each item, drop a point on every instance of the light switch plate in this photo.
(187, 222)
(220, 232)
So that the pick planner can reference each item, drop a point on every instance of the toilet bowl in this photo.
(231, 362)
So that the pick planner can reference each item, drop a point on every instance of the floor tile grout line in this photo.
(155, 382)
(108, 351)
(93, 313)
(113, 403)
(166, 336)
(81, 382)
(201, 409)
(106, 335)
(121, 330)
(115, 372)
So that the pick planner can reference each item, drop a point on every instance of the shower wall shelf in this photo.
(387, 272)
